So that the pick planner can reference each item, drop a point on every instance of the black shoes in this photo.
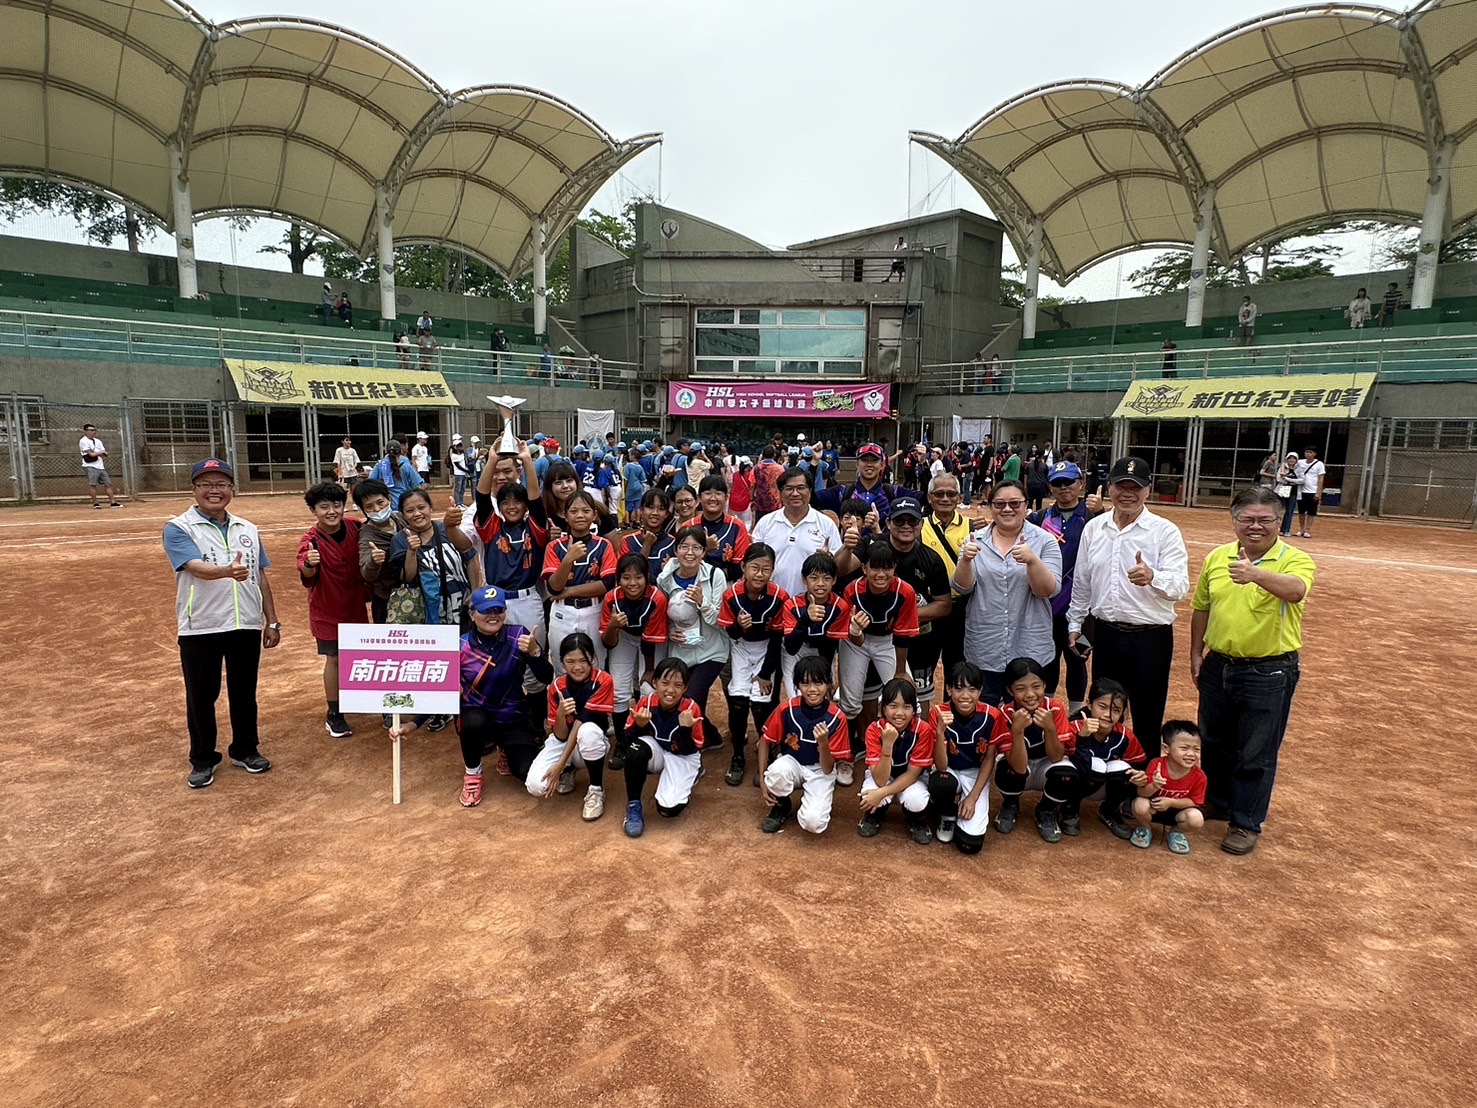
(871, 824)
(1113, 821)
(252, 763)
(201, 777)
(736, 771)
(335, 724)
(778, 815)
(1009, 812)
(1046, 823)
(918, 829)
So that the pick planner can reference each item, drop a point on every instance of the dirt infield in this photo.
(296, 939)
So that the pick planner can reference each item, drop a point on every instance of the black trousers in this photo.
(480, 732)
(951, 631)
(1076, 666)
(201, 657)
(1140, 661)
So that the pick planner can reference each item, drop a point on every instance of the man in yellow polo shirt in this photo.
(944, 532)
(1245, 635)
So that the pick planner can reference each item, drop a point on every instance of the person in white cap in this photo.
(326, 302)
(459, 469)
(420, 456)
(474, 459)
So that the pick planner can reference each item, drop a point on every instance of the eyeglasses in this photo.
(1257, 521)
(214, 486)
(795, 488)
(1008, 505)
(944, 494)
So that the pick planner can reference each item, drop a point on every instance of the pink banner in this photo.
(781, 399)
(370, 670)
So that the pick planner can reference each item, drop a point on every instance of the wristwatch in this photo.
(274, 627)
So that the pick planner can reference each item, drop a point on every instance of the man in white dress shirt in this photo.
(796, 531)
(1131, 568)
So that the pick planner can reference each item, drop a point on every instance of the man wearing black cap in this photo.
(1132, 567)
(922, 568)
(226, 615)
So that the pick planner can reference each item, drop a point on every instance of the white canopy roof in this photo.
(1298, 119)
(293, 118)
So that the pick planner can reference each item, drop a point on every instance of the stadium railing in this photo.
(1448, 358)
(97, 338)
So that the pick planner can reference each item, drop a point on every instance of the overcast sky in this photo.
(785, 121)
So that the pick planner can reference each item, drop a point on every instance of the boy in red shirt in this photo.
(1174, 793)
(328, 566)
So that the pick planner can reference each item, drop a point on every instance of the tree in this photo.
(299, 244)
(101, 218)
(1396, 246)
(1013, 292)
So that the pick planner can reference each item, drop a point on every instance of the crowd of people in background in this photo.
(935, 621)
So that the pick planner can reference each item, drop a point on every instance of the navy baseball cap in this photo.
(871, 450)
(1064, 473)
(1130, 469)
(490, 598)
(905, 506)
(212, 465)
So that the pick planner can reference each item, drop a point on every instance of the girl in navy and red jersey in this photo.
(1108, 758)
(652, 534)
(900, 750)
(752, 612)
(579, 569)
(665, 737)
(561, 481)
(816, 621)
(962, 759)
(633, 626)
(513, 557)
(884, 619)
(579, 707)
(798, 749)
(728, 538)
(1037, 742)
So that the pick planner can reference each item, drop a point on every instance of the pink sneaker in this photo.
(502, 765)
(471, 790)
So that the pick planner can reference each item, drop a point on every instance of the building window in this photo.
(804, 341)
(176, 422)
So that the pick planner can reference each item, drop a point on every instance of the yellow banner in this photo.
(338, 385)
(1303, 396)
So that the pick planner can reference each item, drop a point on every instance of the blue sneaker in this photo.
(635, 823)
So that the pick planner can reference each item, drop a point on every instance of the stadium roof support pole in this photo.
(184, 224)
(384, 223)
(1433, 229)
(1033, 280)
(540, 283)
(1200, 260)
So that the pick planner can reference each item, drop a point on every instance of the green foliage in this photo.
(101, 218)
(1013, 292)
(298, 244)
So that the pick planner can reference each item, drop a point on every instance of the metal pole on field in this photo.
(125, 435)
(1366, 475)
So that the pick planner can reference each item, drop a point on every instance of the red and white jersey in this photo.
(791, 727)
(645, 618)
(1004, 738)
(598, 564)
(595, 696)
(914, 747)
(892, 612)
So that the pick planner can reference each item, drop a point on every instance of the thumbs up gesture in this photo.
(1021, 552)
(239, 570)
(453, 517)
(970, 550)
(1094, 500)
(1243, 570)
(1140, 574)
(313, 557)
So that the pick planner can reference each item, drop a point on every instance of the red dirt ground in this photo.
(296, 939)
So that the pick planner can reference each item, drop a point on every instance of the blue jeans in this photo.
(1243, 716)
(459, 488)
(1292, 506)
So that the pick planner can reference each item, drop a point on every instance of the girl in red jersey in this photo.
(665, 737)
(633, 625)
(900, 751)
(579, 569)
(1037, 743)
(580, 704)
(752, 612)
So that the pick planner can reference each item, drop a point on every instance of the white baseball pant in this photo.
(785, 775)
(914, 797)
(564, 620)
(877, 649)
(590, 745)
(676, 774)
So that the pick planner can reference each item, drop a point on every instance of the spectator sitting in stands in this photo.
(424, 323)
(344, 309)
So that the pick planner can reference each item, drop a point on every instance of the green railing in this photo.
(1395, 360)
(94, 338)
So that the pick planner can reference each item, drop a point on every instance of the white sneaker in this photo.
(946, 828)
(845, 773)
(566, 782)
(594, 802)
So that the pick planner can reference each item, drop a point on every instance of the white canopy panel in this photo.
(1298, 120)
(289, 117)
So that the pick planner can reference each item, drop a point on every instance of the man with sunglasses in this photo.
(944, 531)
(1132, 567)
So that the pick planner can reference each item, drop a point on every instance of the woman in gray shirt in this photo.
(1007, 574)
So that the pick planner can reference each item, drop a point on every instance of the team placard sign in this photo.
(399, 669)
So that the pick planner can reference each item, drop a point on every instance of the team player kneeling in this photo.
(936, 769)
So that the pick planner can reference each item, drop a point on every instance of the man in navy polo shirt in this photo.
(868, 487)
(1065, 519)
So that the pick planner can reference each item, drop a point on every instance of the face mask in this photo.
(381, 517)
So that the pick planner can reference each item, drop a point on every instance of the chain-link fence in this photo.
(1426, 469)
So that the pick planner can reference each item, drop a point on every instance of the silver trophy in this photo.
(507, 443)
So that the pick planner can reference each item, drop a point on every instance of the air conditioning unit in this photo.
(649, 391)
(649, 404)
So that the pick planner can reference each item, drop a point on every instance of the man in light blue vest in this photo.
(226, 615)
